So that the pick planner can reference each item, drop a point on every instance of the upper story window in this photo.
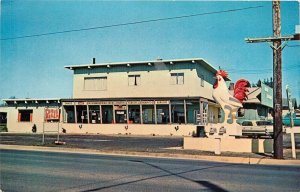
(134, 80)
(177, 78)
(25, 115)
(95, 83)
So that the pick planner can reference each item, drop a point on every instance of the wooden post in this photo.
(277, 76)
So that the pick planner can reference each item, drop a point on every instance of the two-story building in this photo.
(161, 97)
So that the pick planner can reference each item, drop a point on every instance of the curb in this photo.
(223, 159)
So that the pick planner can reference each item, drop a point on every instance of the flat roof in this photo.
(150, 62)
(32, 100)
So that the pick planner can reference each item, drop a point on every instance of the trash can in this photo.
(200, 131)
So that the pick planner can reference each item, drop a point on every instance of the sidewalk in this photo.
(146, 146)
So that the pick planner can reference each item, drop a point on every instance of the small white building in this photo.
(161, 97)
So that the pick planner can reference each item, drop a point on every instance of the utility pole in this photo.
(277, 76)
(276, 44)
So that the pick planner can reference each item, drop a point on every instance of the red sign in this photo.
(51, 114)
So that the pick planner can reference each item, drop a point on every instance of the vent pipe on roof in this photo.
(94, 60)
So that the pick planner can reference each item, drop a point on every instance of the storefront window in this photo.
(82, 116)
(162, 113)
(120, 113)
(192, 109)
(107, 114)
(134, 114)
(177, 110)
(69, 115)
(94, 114)
(148, 114)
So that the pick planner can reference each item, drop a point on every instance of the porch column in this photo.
(114, 115)
(100, 107)
(62, 114)
(201, 110)
(127, 111)
(88, 113)
(155, 115)
(184, 108)
(141, 113)
(170, 113)
(75, 113)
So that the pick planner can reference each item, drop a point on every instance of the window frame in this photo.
(20, 115)
(176, 75)
(96, 88)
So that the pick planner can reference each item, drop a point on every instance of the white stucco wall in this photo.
(153, 84)
(134, 129)
(13, 125)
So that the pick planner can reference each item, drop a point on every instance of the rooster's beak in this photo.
(215, 77)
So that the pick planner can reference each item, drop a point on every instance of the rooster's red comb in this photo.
(222, 73)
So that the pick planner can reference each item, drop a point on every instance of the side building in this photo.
(259, 105)
(161, 97)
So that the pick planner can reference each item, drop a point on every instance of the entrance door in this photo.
(202, 115)
(121, 116)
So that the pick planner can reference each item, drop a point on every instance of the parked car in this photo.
(257, 128)
(286, 120)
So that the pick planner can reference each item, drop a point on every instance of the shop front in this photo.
(172, 111)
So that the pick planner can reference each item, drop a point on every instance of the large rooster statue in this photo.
(229, 103)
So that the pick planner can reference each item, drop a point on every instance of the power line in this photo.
(293, 45)
(267, 70)
(130, 23)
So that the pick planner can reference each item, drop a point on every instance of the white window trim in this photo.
(176, 76)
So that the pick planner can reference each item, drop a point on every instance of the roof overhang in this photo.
(149, 63)
(27, 101)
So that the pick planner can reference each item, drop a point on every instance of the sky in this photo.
(34, 67)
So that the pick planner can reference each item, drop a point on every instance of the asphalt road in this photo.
(43, 171)
(131, 143)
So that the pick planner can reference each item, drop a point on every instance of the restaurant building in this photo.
(161, 97)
